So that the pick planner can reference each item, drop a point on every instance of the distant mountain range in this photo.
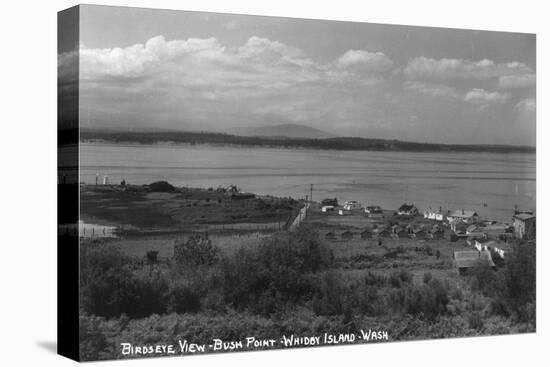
(293, 131)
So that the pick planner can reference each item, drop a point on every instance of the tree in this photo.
(519, 275)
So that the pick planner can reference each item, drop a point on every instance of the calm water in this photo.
(489, 183)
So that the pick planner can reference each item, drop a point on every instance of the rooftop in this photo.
(524, 216)
(464, 213)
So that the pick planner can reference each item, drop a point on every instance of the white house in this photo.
(437, 215)
(352, 204)
(344, 212)
(466, 216)
(499, 247)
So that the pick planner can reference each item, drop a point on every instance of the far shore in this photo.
(336, 144)
(173, 144)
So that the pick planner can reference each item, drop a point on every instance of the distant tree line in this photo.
(339, 143)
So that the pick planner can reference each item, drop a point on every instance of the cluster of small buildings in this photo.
(462, 223)
(420, 232)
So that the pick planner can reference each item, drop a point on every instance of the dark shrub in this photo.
(92, 338)
(196, 251)
(152, 256)
(183, 299)
(161, 186)
(109, 288)
(484, 279)
(498, 307)
(398, 278)
(519, 274)
(475, 321)
(429, 299)
(329, 294)
(280, 268)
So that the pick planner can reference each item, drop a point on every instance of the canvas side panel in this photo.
(68, 183)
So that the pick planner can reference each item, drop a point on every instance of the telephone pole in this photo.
(311, 193)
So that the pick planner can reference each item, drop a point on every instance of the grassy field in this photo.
(139, 209)
(227, 242)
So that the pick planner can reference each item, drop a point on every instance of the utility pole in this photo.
(311, 193)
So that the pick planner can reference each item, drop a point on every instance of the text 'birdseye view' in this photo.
(237, 182)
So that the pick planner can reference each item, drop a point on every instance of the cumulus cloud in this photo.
(517, 81)
(260, 63)
(483, 97)
(475, 96)
(429, 68)
(365, 61)
(526, 105)
(431, 89)
(202, 80)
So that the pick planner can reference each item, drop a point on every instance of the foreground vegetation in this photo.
(290, 284)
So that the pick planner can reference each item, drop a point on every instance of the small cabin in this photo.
(465, 216)
(407, 209)
(347, 235)
(525, 226)
(465, 261)
(366, 234)
(383, 233)
(420, 234)
(330, 236)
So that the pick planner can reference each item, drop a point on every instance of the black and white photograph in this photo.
(276, 183)
(251, 183)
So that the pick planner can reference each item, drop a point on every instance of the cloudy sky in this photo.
(203, 71)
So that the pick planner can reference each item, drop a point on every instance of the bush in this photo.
(109, 287)
(519, 278)
(329, 296)
(429, 299)
(484, 279)
(196, 251)
(182, 299)
(427, 277)
(398, 278)
(280, 269)
(475, 321)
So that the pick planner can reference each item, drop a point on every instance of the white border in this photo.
(28, 61)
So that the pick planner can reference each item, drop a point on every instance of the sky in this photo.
(143, 68)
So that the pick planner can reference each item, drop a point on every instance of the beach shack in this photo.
(465, 261)
(352, 205)
(465, 216)
(472, 228)
(344, 212)
(407, 209)
(347, 235)
(366, 234)
(330, 236)
(437, 215)
(400, 232)
(373, 209)
(498, 247)
(419, 233)
(436, 232)
(458, 227)
(525, 226)
(383, 232)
